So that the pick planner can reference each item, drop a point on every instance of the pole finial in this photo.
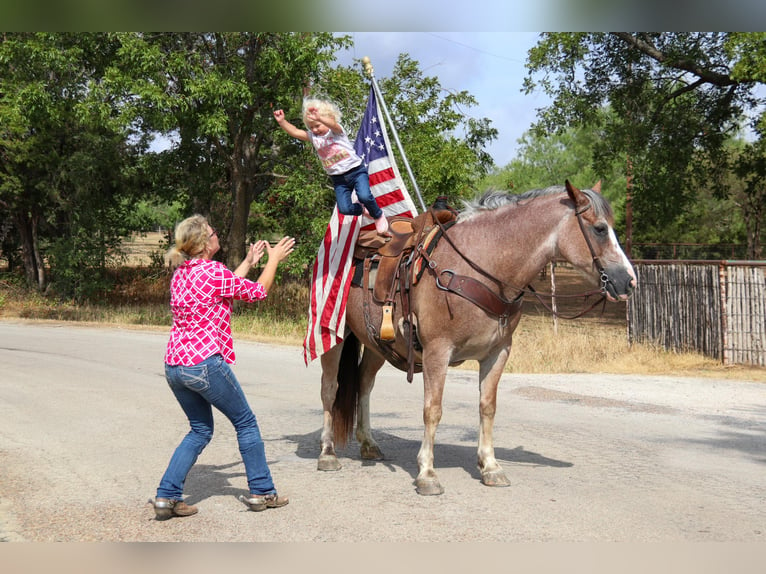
(368, 66)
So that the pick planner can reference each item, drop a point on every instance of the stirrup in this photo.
(387, 324)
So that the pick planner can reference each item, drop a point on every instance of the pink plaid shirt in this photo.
(201, 294)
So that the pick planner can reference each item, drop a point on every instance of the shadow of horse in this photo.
(402, 452)
(208, 480)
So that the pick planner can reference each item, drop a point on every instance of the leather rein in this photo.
(495, 304)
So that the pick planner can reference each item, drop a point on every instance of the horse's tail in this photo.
(344, 407)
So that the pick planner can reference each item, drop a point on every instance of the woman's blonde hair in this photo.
(324, 107)
(191, 238)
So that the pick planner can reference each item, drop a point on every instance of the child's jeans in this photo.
(356, 179)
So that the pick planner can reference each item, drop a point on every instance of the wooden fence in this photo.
(715, 307)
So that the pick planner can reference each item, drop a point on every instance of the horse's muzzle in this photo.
(619, 285)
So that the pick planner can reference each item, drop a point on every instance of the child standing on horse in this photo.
(340, 161)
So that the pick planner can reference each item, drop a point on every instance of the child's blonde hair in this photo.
(191, 238)
(324, 107)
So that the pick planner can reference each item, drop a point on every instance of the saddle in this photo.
(390, 266)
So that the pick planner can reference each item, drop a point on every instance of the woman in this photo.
(198, 355)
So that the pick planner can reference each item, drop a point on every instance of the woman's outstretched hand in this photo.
(255, 252)
(281, 249)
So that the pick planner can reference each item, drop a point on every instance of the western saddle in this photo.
(387, 266)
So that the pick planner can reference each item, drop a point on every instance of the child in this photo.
(345, 168)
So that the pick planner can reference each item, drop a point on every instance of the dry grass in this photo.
(588, 346)
(144, 249)
(594, 344)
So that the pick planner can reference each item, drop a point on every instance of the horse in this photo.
(497, 245)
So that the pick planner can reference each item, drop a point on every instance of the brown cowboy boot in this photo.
(165, 508)
(258, 502)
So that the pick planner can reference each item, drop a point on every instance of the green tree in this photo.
(215, 94)
(676, 98)
(67, 176)
(750, 167)
(79, 114)
(549, 160)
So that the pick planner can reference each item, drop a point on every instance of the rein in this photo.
(496, 304)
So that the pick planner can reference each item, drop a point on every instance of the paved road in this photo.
(87, 425)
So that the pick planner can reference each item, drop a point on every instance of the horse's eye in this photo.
(601, 229)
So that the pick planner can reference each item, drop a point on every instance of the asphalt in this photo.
(87, 425)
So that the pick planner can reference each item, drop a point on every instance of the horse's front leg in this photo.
(434, 373)
(369, 367)
(328, 460)
(490, 370)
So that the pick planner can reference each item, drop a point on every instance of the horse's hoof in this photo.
(428, 487)
(371, 452)
(495, 478)
(328, 462)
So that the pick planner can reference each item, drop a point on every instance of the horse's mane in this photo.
(493, 199)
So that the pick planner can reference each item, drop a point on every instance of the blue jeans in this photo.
(208, 384)
(355, 179)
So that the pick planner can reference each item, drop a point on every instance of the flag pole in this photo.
(370, 72)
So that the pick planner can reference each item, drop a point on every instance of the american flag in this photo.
(331, 274)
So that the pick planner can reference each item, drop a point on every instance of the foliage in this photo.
(675, 100)
(748, 52)
(81, 115)
(550, 160)
(213, 94)
(750, 195)
(68, 172)
(444, 145)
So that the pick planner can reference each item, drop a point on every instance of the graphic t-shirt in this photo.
(335, 152)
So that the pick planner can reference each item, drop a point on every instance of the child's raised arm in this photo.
(291, 130)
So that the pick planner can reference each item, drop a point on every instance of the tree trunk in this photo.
(754, 250)
(753, 216)
(34, 269)
(240, 211)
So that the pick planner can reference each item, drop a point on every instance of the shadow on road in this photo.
(402, 453)
(206, 480)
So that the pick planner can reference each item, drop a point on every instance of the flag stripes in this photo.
(331, 273)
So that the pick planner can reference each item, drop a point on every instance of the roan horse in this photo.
(501, 241)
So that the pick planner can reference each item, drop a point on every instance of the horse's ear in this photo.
(575, 194)
(597, 187)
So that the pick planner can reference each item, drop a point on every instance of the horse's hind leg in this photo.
(490, 370)
(369, 367)
(328, 460)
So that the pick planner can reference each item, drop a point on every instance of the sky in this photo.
(488, 65)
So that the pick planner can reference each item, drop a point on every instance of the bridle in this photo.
(596, 261)
(495, 303)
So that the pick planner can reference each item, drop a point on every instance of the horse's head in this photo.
(590, 243)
